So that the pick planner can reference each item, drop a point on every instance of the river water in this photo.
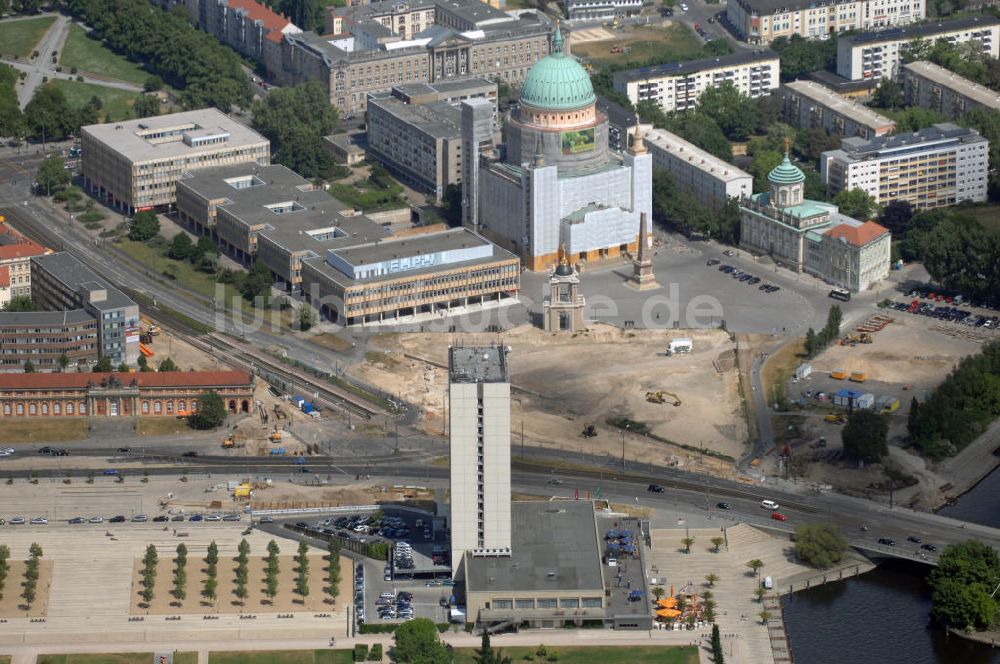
(883, 617)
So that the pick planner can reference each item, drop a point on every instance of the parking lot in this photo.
(398, 600)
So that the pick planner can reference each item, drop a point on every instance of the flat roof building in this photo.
(135, 164)
(712, 181)
(16, 252)
(43, 336)
(809, 104)
(931, 86)
(348, 266)
(61, 283)
(601, 10)
(880, 54)
(676, 86)
(937, 166)
(763, 21)
(415, 131)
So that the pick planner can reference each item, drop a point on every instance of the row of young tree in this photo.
(206, 72)
(815, 342)
(241, 572)
(960, 408)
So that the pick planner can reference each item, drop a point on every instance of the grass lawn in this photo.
(988, 217)
(599, 655)
(185, 658)
(671, 44)
(780, 367)
(116, 102)
(5, 659)
(114, 658)
(283, 657)
(43, 431)
(18, 38)
(90, 55)
(161, 426)
(331, 341)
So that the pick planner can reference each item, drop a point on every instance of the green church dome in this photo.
(786, 173)
(557, 81)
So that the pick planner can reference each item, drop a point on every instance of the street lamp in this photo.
(623, 446)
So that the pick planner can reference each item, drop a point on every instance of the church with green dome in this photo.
(554, 182)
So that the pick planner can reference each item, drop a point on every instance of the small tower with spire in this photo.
(638, 144)
(562, 310)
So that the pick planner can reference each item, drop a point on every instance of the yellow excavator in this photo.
(662, 397)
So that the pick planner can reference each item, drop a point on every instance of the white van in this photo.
(768, 583)
(769, 504)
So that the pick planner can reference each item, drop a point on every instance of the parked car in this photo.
(117, 519)
(39, 521)
(97, 519)
(161, 518)
(196, 517)
(140, 518)
(77, 519)
(177, 517)
(110, 471)
(17, 521)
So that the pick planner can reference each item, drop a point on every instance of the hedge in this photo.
(360, 652)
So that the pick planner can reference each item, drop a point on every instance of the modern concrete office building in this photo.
(941, 165)
(479, 426)
(43, 336)
(931, 86)
(349, 267)
(583, 11)
(676, 86)
(415, 131)
(809, 104)
(712, 181)
(60, 283)
(762, 21)
(880, 54)
(812, 236)
(135, 164)
(558, 185)
(465, 38)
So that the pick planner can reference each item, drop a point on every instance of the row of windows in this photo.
(547, 603)
(34, 408)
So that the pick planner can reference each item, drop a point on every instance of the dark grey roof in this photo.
(694, 66)
(73, 274)
(44, 318)
(918, 140)
(211, 182)
(768, 7)
(437, 119)
(554, 547)
(924, 30)
(840, 84)
(478, 364)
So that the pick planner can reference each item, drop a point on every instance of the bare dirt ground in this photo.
(11, 604)
(286, 601)
(286, 495)
(562, 383)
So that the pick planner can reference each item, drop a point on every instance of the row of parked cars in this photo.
(138, 518)
(949, 313)
(742, 275)
(928, 293)
(395, 606)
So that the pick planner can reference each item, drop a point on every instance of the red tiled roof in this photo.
(23, 249)
(859, 236)
(258, 12)
(57, 381)
(4, 276)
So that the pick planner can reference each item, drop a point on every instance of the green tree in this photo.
(759, 593)
(295, 119)
(146, 106)
(181, 247)
(763, 163)
(29, 366)
(418, 642)
(258, 281)
(865, 436)
(889, 95)
(63, 361)
(306, 318)
(717, 542)
(19, 303)
(144, 226)
(302, 570)
(896, 217)
(914, 118)
(212, 554)
(4, 566)
(143, 364)
(800, 56)
(718, 656)
(333, 568)
(123, 367)
(819, 544)
(180, 573)
(168, 365)
(12, 123)
(711, 578)
(856, 203)
(962, 585)
(48, 115)
(204, 247)
(210, 413)
(52, 174)
(693, 126)
(687, 542)
(734, 112)
(451, 204)
(103, 365)
(755, 565)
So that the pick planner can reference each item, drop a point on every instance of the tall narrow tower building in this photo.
(479, 394)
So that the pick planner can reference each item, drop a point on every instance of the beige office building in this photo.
(763, 21)
(931, 86)
(135, 164)
(676, 86)
(712, 181)
(809, 104)
(479, 421)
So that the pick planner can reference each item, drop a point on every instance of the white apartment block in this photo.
(810, 104)
(931, 86)
(880, 54)
(712, 181)
(601, 10)
(676, 86)
(479, 419)
(941, 165)
(135, 164)
(762, 21)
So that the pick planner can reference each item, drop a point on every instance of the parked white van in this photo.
(769, 504)
(768, 583)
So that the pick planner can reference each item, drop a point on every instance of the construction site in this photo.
(660, 401)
